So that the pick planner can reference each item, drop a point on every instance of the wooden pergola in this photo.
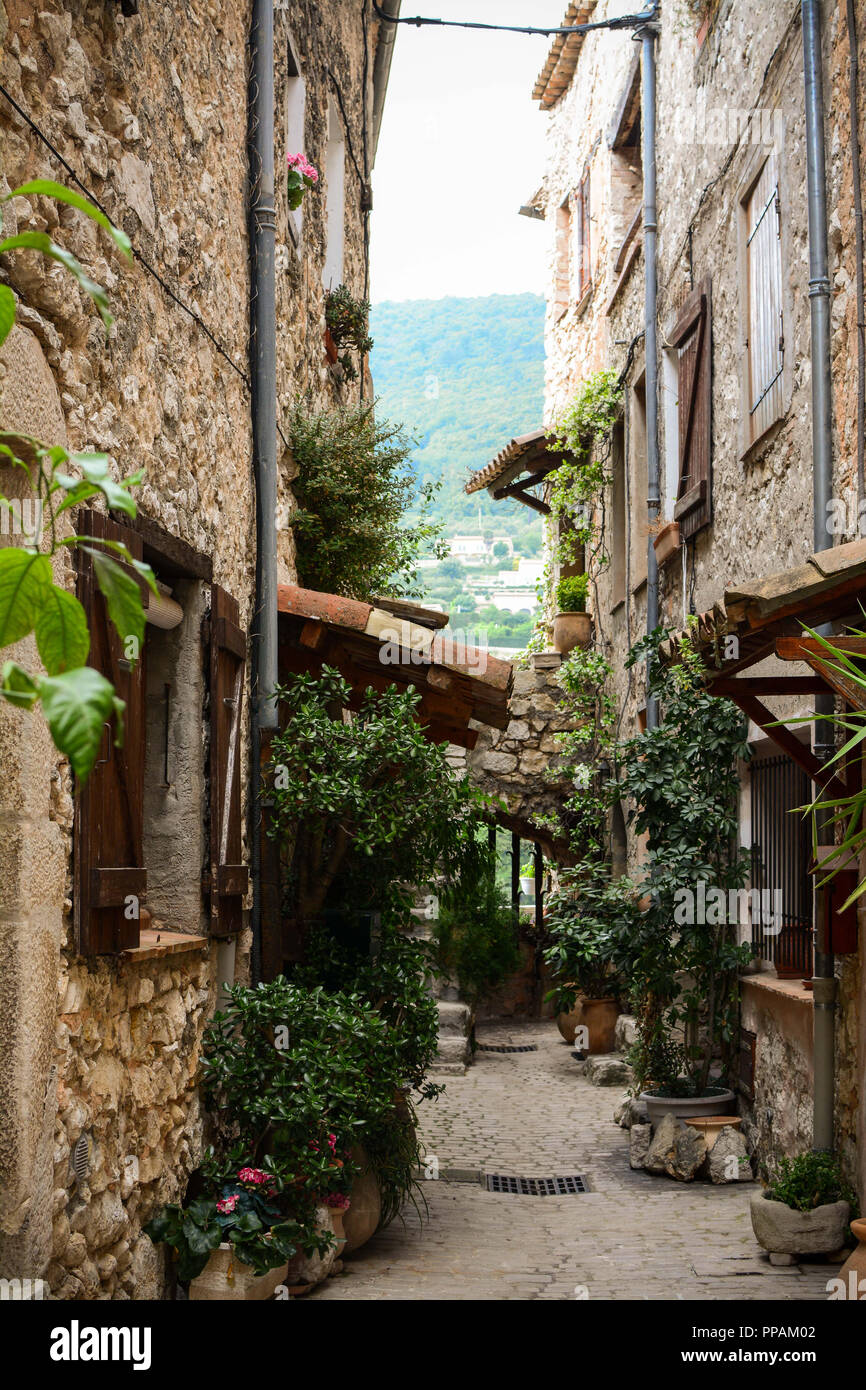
(534, 455)
(766, 617)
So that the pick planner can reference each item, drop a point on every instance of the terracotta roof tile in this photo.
(555, 77)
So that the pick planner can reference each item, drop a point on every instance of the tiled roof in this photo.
(488, 475)
(555, 77)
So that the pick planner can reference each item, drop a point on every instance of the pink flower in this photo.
(227, 1205)
(253, 1175)
(303, 166)
(337, 1200)
(332, 1142)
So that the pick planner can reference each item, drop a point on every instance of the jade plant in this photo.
(348, 321)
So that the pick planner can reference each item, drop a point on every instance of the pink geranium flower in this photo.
(226, 1205)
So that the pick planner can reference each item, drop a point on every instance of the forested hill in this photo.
(464, 376)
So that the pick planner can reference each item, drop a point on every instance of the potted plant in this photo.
(578, 956)
(301, 176)
(572, 625)
(347, 325)
(527, 879)
(805, 1209)
(236, 1240)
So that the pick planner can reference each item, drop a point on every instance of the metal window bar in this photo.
(780, 866)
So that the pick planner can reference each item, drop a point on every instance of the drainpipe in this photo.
(263, 350)
(647, 36)
(824, 984)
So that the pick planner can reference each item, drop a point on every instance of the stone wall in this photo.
(151, 113)
(778, 1119)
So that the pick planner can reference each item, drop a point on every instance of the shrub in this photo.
(476, 938)
(810, 1180)
(571, 594)
(353, 487)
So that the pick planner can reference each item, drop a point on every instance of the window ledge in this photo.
(581, 305)
(154, 944)
(770, 984)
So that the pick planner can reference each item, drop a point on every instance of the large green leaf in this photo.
(95, 470)
(17, 686)
(61, 632)
(77, 705)
(122, 596)
(41, 241)
(49, 189)
(7, 312)
(24, 580)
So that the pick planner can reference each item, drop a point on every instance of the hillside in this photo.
(464, 376)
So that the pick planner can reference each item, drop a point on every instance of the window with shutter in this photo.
(110, 878)
(228, 878)
(765, 346)
(584, 249)
(691, 338)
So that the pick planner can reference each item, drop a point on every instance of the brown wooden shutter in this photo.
(109, 864)
(692, 337)
(227, 878)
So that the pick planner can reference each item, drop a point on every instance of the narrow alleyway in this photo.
(631, 1236)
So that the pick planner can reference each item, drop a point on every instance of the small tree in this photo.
(354, 487)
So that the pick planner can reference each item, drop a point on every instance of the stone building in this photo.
(147, 108)
(734, 405)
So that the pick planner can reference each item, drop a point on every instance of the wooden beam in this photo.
(798, 752)
(810, 650)
(768, 685)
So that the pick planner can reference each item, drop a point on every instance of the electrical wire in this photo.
(628, 21)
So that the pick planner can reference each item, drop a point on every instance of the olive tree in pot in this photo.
(680, 952)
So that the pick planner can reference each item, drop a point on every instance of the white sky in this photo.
(461, 149)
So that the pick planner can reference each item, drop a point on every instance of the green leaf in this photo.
(61, 632)
(49, 189)
(7, 312)
(41, 241)
(95, 470)
(24, 580)
(122, 596)
(77, 705)
(18, 686)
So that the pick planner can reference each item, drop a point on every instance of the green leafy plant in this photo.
(354, 487)
(528, 870)
(571, 594)
(582, 913)
(810, 1180)
(76, 700)
(300, 177)
(365, 804)
(476, 940)
(578, 486)
(348, 320)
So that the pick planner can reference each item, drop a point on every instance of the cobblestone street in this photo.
(632, 1236)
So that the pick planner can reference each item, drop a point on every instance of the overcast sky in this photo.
(461, 148)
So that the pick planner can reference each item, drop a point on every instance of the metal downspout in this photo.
(824, 984)
(647, 36)
(263, 352)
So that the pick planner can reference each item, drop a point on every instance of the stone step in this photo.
(607, 1069)
(448, 1068)
(453, 1048)
(453, 1017)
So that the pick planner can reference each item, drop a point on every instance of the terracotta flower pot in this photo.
(567, 1022)
(571, 630)
(710, 1126)
(330, 348)
(226, 1278)
(853, 1271)
(599, 1017)
(362, 1219)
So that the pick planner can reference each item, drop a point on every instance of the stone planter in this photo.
(599, 1017)
(784, 1231)
(362, 1219)
(304, 1272)
(226, 1278)
(687, 1107)
(571, 630)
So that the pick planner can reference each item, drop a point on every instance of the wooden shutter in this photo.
(766, 343)
(227, 878)
(692, 337)
(109, 865)
(584, 262)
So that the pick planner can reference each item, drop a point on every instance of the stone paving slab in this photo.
(632, 1236)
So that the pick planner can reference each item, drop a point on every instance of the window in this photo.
(639, 522)
(335, 200)
(781, 906)
(626, 169)
(296, 100)
(618, 512)
(690, 338)
(562, 289)
(583, 249)
(158, 823)
(763, 316)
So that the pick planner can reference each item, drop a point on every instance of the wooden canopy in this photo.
(533, 454)
(766, 617)
(396, 644)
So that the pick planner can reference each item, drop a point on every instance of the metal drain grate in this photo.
(503, 1047)
(537, 1187)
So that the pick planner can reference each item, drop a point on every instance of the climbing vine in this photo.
(578, 486)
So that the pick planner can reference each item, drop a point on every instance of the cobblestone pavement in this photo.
(632, 1236)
